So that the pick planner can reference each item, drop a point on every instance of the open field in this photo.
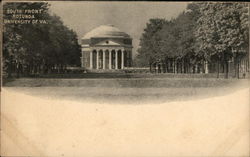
(122, 80)
(120, 74)
(126, 90)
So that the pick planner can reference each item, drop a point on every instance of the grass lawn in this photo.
(127, 90)
(134, 80)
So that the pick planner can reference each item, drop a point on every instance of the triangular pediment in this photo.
(108, 42)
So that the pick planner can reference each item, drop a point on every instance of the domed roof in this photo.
(106, 31)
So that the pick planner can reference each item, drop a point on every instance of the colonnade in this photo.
(109, 59)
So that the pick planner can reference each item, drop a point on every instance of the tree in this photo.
(37, 48)
(149, 42)
(205, 32)
(170, 41)
(16, 37)
(222, 31)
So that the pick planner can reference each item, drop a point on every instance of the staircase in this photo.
(105, 71)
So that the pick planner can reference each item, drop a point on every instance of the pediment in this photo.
(108, 42)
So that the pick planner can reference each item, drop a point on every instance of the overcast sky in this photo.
(130, 17)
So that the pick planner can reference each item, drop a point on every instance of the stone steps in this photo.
(105, 71)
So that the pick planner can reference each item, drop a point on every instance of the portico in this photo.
(109, 58)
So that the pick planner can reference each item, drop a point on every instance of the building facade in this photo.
(106, 47)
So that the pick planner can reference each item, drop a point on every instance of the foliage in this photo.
(205, 30)
(168, 38)
(149, 42)
(222, 31)
(222, 27)
(38, 47)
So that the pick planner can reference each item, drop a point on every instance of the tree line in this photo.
(205, 33)
(30, 49)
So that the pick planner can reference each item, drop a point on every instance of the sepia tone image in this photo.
(138, 78)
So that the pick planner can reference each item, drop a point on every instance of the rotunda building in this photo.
(106, 47)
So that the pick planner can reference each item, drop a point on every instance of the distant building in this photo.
(106, 47)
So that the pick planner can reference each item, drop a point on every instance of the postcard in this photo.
(125, 78)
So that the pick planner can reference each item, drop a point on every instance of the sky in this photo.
(130, 17)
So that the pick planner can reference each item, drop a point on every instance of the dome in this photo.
(106, 31)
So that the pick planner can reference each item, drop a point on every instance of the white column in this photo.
(91, 60)
(110, 66)
(103, 59)
(206, 67)
(97, 59)
(122, 66)
(116, 59)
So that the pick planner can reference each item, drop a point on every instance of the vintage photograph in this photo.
(125, 78)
